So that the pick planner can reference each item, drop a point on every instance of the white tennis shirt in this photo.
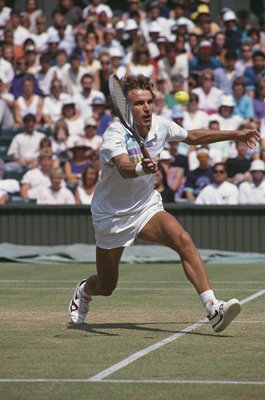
(116, 195)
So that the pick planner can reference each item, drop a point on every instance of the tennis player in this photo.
(125, 205)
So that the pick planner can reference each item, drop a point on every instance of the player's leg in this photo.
(103, 283)
(163, 228)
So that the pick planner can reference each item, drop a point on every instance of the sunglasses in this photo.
(218, 171)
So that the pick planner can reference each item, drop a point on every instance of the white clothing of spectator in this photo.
(209, 101)
(253, 192)
(74, 121)
(52, 105)
(91, 139)
(6, 70)
(4, 18)
(6, 117)
(220, 191)
(8, 186)
(72, 76)
(55, 193)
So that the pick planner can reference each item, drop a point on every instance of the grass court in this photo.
(149, 340)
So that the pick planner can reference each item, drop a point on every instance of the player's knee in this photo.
(107, 290)
(184, 241)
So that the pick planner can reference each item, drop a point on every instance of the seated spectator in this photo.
(160, 106)
(209, 95)
(86, 188)
(141, 61)
(245, 58)
(91, 64)
(85, 97)
(45, 74)
(174, 175)
(101, 115)
(52, 105)
(177, 159)
(21, 74)
(194, 118)
(168, 195)
(102, 75)
(220, 191)
(253, 192)
(79, 160)
(8, 186)
(6, 117)
(232, 34)
(72, 118)
(56, 193)
(117, 66)
(225, 76)
(201, 17)
(37, 178)
(59, 138)
(72, 76)
(46, 143)
(24, 148)
(33, 13)
(61, 65)
(219, 151)
(243, 104)
(6, 69)
(5, 13)
(259, 101)
(199, 177)
(30, 54)
(204, 59)
(225, 116)
(28, 103)
(253, 74)
(40, 36)
(6, 96)
(90, 135)
(238, 167)
(218, 46)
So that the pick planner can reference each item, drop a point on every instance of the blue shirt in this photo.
(244, 107)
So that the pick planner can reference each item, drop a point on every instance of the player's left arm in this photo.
(205, 136)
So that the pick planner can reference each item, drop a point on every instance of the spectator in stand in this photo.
(253, 192)
(16, 87)
(91, 9)
(78, 160)
(253, 74)
(218, 47)
(209, 95)
(225, 76)
(86, 188)
(172, 65)
(28, 103)
(243, 104)
(5, 14)
(6, 96)
(131, 30)
(199, 177)
(90, 135)
(174, 175)
(259, 102)
(71, 13)
(6, 116)
(72, 117)
(204, 59)
(153, 11)
(204, 26)
(30, 54)
(20, 33)
(6, 69)
(33, 13)
(177, 159)
(72, 76)
(254, 35)
(109, 42)
(90, 63)
(103, 74)
(226, 117)
(232, 34)
(160, 106)
(7, 186)
(59, 139)
(85, 98)
(194, 118)
(101, 115)
(37, 178)
(45, 74)
(52, 105)
(24, 148)
(61, 64)
(40, 36)
(238, 167)
(53, 47)
(117, 65)
(245, 58)
(134, 6)
(56, 193)
(220, 191)
(168, 196)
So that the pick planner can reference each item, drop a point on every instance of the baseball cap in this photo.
(229, 16)
(257, 165)
(90, 122)
(98, 101)
(227, 100)
(205, 43)
(177, 112)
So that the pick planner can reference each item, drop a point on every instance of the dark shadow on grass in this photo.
(102, 329)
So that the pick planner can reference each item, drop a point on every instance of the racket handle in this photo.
(145, 152)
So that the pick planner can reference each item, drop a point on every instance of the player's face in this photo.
(142, 103)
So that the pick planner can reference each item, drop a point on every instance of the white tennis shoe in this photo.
(79, 306)
(222, 313)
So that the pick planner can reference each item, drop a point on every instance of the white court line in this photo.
(142, 289)
(139, 354)
(120, 281)
(129, 360)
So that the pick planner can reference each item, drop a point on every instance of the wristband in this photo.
(139, 169)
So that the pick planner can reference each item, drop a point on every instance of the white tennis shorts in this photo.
(121, 231)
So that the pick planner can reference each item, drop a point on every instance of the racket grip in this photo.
(145, 152)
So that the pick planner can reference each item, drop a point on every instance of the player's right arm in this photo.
(130, 170)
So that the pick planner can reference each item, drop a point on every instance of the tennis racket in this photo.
(123, 110)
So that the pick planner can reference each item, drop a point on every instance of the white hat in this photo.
(205, 43)
(257, 165)
(202, 150)
(229, 16)
(115, 52)
(68, 100)
(120, 25)
(165, 155)
(177, 112)
(90, 121)
(54, 38)
(154, 27)
(104, 8)
(227, 100)
(131, 25)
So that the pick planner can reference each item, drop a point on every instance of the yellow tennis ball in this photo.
(182, 97)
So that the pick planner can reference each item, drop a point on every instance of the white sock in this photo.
(207, 296)
(84, 295)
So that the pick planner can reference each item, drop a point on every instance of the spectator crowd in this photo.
(54, 96)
